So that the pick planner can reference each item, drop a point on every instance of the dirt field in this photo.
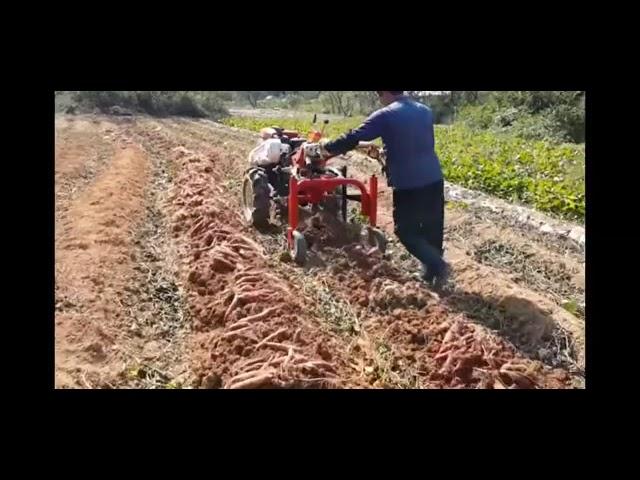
(160, 284)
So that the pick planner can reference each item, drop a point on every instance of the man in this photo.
(414, 173)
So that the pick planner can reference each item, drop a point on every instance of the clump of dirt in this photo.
(324, 229)
(387, 295)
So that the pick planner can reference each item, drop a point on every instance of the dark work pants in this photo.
(419, 224)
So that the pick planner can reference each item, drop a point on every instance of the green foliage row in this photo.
(541, 174)
(553, 116)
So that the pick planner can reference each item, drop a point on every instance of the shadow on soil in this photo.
(529, 328)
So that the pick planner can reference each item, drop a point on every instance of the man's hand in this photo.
(324, 153)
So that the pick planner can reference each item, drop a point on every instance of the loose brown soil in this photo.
(160, 283)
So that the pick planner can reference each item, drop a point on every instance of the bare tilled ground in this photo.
(160, 284)
(94, 242)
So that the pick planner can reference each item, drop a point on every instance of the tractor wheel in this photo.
(299, 251)
(256, 198)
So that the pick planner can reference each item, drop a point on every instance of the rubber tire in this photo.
(299, 251)
(257, 213)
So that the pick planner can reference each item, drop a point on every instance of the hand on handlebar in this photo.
(324, 153)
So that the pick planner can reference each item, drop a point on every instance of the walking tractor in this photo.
(288, 174)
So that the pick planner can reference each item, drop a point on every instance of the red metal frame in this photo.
(314, 190)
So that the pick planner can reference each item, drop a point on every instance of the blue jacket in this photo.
(406, 128)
